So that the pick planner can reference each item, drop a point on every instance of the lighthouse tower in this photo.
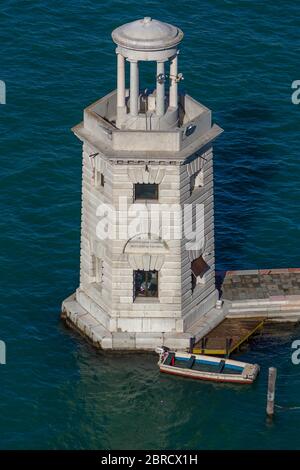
(147, 268)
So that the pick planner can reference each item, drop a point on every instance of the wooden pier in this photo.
(228, 336)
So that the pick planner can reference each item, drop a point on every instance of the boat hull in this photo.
(207, 368)
(205, 376)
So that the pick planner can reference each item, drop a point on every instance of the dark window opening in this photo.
(146, 283)
(145, 191)
(99, 180)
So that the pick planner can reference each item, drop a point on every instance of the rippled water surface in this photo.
(239, 59)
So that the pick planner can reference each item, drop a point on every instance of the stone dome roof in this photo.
(147, 35)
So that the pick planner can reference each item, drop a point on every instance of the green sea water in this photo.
(239, 58)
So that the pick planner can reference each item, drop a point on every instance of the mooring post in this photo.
(271, 391)
(228, 346)
(192, 344)
(203, 342)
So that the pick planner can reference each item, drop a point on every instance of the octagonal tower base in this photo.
(150, 148)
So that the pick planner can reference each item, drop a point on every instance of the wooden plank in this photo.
(228, 336)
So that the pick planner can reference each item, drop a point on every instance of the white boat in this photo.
(201, 367)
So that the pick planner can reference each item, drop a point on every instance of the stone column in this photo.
(134, 88)
(173, 83)
(121, 81)
(160, 89)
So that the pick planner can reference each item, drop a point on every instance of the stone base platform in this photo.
(272, 294)
(88, 326)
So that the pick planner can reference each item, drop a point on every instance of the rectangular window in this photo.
(145, 191)
(96, 272)
(146, 283)
(99, 179)
(99, 271)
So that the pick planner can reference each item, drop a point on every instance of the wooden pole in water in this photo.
(192, 344)
(271, 391)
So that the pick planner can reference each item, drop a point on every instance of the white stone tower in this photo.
(151, 148)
